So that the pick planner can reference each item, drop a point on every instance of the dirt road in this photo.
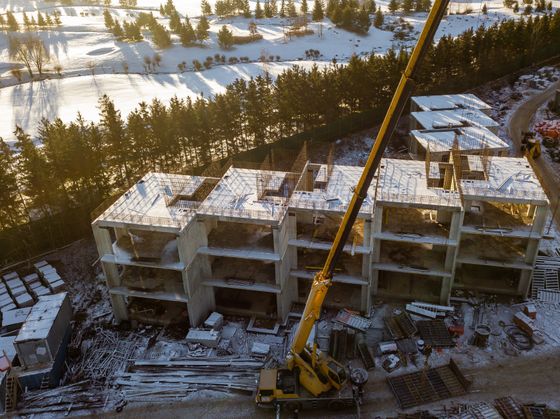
(526, 378)
(519, 123)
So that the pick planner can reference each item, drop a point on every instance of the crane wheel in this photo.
(293, 406)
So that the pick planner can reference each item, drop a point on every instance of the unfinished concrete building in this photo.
(505, 211)
(448, 102)
(438, 143)
(249, 239)
(416, 224)
(146, 240)
(454, 118)
(243, 263)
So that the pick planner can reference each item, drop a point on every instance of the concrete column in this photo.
(445, 290)
(539, 220)
(200, 306)
(104, 247)
(524, 282)
(120, 311)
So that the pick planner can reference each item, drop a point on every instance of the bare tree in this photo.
(58, 69)
(91, 67)
(30, 50)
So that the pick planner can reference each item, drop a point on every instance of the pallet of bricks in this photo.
(50, 277)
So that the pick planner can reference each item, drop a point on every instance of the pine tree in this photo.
(10, 204)
(114, 136)
(161, 10)
(202, 28)
(161, 37)
(362, 21)
(426, 5)
(225, 38)
(245, 9)
(291, 9)
(393, 6)
(371, 7)
(40, 20)
(318, 13)
(169, 7)
(175, 22)
(57, 20)
(378, 21)
(549, 6)
(49, 20)
(118, 30)
(26, 21)
(35, 176)
(13, 25)
(2, 21)
(205, 8)
(109, 22)
(273, 7)
(516, 7)
(188, 35)
(259, 14)
(267, 9)
(304, 9)
(407, 6)
(484, 9)
(282, 8)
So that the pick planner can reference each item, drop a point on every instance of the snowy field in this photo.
(82, 46)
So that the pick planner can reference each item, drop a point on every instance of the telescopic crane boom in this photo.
(316, 371)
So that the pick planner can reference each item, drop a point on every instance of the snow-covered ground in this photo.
(64, 98)
(83, 43)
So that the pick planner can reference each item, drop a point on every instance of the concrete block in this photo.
(41, 264)
(260, 348)
(42, 290)
(31, 279)
(14, 283)
(57, 286)
(10, 275)
(530, 311)
(214, 321)
(229, 331)
(13, 319)
(24, 300)
(17, 291)
(209, 338)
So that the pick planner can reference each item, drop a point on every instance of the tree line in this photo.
(81, 163)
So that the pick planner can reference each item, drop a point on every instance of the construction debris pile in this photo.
(503, 407)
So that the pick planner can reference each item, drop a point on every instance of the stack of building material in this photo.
(545, 275)
(34, 286)
(429, 310)
(14, 319)
(42, 340)
(50, 277)
(6, 302)
(17, 290)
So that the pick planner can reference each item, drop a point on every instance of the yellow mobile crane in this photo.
(318, 373)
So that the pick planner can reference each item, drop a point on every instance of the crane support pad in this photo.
(428, 386)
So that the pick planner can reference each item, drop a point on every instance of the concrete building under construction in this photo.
(248, 241)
